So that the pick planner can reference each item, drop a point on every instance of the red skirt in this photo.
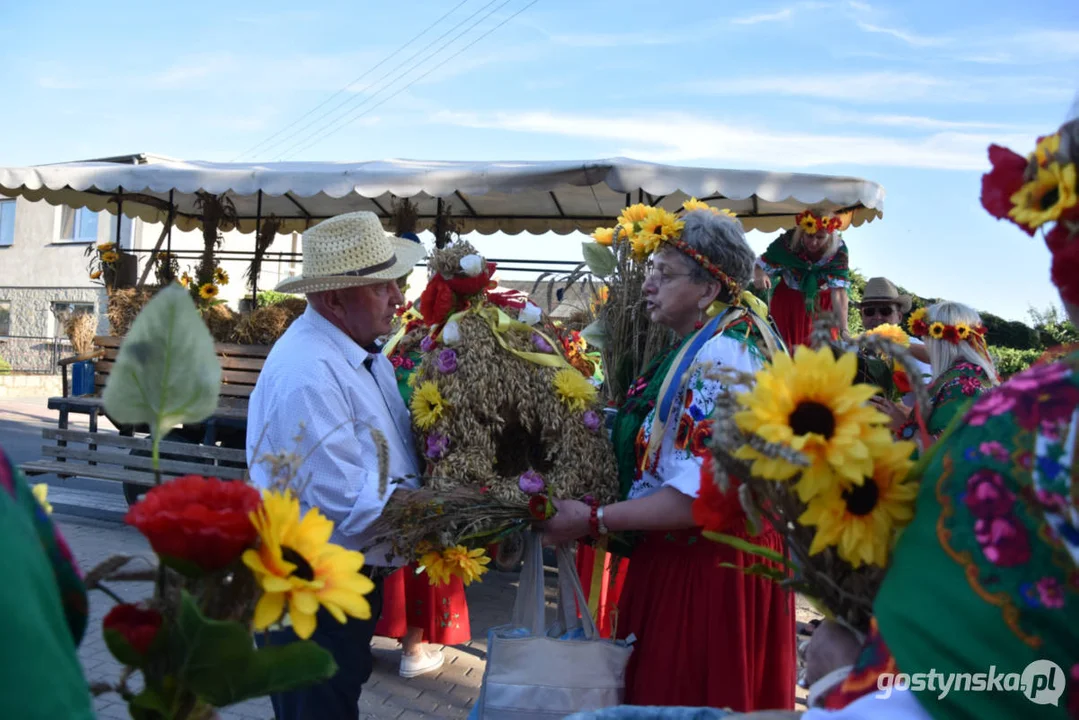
(610, 589)
(707, 636)
(788, 309)
(409, 600)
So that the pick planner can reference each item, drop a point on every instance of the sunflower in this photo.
(891, 332)
(861, 520)
(644, 244)
(916, 322)
(663, 223)
(221, 277)
(1044, 198)
(208, 291)
(963, 330)
(604, 236)
(693, 204)
(600, 298)
(110, 256)
(633, 215)
(185, 280)
(574, 389)
(1047, 147)
(812, 405)
(466, 564)
(936, 330)
(105, 246)
(95, 274)
(809, 223)
(427, 405)
(296, 562)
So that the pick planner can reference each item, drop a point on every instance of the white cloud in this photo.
(682, 138)
(784, 14)
(603, 40)
(914, 122)
(907, 37)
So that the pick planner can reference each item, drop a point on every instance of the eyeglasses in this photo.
(874, 311)
(662, 278)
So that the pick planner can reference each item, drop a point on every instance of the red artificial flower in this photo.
(197, 523)
(919, 328)
(539, 507)
(951, 334)
(436, 301)
(130, 631)
(465, 286)
(714, 510)
(1065, 272)
(1003, 181)
(902, 382)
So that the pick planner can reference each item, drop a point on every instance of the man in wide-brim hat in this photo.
(323, 391)
(882, 303)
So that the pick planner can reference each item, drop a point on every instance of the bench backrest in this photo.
(240, 368)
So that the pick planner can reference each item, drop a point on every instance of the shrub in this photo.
(272, 297)
(1009, 361)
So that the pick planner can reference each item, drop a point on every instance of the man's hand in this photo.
(898, 414)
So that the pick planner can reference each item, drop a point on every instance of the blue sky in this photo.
(907, 94)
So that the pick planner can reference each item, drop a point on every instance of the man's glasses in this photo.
(874, 311)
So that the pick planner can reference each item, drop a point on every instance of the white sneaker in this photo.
(421, 663)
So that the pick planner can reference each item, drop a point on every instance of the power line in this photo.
(352, 82)
(349, 120)
(352, 99)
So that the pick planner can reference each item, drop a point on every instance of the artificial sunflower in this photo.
(208, 291)
(469, 565)
(1047, 148)
(1044, 198)
(95, 275)
(891, 332)
(644, 244)
(574, 389)
(860, 520)
(916, 322)
(809, 224)
(600, 298)
(662, 223)
(105, 246)
(110, 256)
(936, 330)
(693, 204)
(185, 280)
(632, 215)
(604, 236)
(221, 277)
(427, 405)
(962, 330)
(812, 405)
(295, 562)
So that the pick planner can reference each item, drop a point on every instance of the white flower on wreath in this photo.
(451, 333)
(530, 314)
(472, 265)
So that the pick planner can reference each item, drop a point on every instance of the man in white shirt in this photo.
(323, 394)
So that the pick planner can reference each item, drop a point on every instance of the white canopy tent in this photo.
(512, 197)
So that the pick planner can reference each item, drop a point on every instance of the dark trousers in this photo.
(350, 644)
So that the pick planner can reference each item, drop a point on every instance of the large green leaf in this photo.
(596, 334)
(599, 258)
(167, 372)
(218, 661)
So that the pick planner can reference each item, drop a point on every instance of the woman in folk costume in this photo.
(961, 367)
(706, 634)
(813, 268)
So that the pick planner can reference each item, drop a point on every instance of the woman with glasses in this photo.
(813, 272)
(706, 633)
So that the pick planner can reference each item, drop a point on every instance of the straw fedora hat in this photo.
(349, 250)
(880, 290)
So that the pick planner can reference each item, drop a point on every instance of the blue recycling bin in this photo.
(82, 378)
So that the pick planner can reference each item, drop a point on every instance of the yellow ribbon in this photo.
(500, 323)
(599, 569)
(391, 344)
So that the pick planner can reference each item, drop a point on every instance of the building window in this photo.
(78, 225)
(61, 311)
(7, 222)
(5, 317)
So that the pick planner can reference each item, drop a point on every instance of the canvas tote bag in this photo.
(536, 672)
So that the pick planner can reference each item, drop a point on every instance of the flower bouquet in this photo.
(804, 453)
(501, 416)
(231, 560)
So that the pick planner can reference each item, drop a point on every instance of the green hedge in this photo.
(1009, 361)
(272, 297)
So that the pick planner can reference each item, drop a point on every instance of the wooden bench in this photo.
(125, 457)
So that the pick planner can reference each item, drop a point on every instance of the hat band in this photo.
(369, 270)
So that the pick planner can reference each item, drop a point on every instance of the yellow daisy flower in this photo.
(573, 389)
(95, 275)
(427, 405)
(1044, 198)
(221, 277)
(936, 330)
(916, 317)
(812, 405)
(41, 494)
(1047, 148)
(861, 520)
(604, 236)
(208, 291)
(633, 215)
(891, 332)
(110, 256)
(295, 562)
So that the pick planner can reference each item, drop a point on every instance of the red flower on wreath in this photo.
(713, 509)
(130, 631)
(902, 382)
(196, 522)
(951, 334)
(1065, 272)
(1003, 181)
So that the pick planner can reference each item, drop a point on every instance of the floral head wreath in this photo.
(1039, 191)
(812, 223)
(920, 327)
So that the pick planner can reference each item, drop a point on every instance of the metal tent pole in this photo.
(254, 275)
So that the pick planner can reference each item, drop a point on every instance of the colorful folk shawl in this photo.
(811, 276)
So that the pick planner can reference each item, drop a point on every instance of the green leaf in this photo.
(747, 547)
(596, 334)
(167, 372)
(599, 258)
(218, 660)
(759, 570)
